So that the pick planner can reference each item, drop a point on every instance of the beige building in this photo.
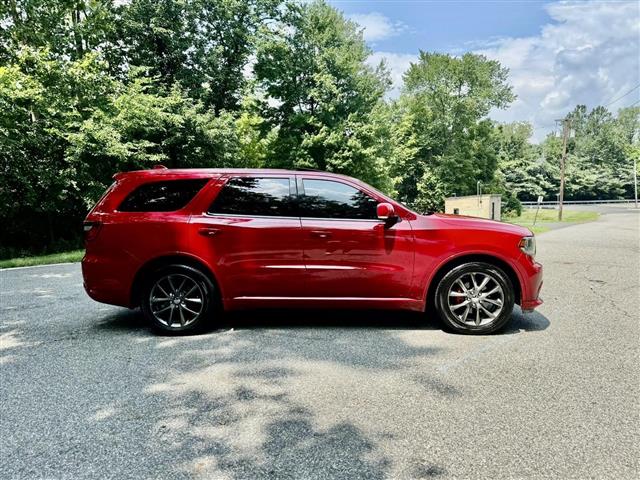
(485, 206)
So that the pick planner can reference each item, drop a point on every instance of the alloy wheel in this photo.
(476, 299)
(176, 300)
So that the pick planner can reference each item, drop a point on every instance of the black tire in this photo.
(457, 297)
(176, 314)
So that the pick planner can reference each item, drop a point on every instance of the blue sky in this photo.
(449, 25)
(559, 53)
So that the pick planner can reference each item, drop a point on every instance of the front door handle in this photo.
(320, 233)
(209, 232)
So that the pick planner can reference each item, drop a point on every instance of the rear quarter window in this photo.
(165, 196)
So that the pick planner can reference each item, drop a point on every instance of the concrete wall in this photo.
(485, 206)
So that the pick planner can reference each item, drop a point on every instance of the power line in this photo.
(622, 96)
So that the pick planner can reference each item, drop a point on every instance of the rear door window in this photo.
(255, 196)
(166, 196)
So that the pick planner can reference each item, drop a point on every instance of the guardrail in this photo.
(575, 202)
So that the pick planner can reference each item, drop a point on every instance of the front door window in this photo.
(328, 199)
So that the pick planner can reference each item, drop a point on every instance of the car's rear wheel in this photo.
(178, 298)
(475, 298)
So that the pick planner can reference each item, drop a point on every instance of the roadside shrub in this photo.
(511, 206)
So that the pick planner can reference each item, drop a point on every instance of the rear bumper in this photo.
(103, 283)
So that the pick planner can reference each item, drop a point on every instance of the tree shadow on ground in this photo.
(290, 445)
(231, 399)
(240, 402)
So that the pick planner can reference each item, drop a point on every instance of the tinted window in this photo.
(162, 196)
(254, 196)
(327, 199)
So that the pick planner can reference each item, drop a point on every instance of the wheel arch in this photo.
(158, 262)
(475, 257)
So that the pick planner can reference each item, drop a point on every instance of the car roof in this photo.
(163, 171)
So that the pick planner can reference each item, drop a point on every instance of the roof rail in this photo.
(159, 167)
(307, 169)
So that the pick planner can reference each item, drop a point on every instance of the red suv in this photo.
(186, 244)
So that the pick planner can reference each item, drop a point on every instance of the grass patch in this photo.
(551, 216)
(62, 257)
(536, 229)
(546, 217)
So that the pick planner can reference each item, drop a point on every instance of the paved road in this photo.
(87, 391)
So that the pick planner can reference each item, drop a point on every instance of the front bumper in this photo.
(531, 287)
(531, 305)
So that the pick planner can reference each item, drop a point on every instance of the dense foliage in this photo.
(92, 87)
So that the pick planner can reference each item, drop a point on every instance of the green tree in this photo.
(43, 99)
(68, 28)
(253, 143)
(628, 129)
(447, 100)
(312, 68)
(599, 166)
(204, 45)
(143, 125)
(522, 173)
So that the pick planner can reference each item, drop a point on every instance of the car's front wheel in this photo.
(178, 298)
(475, 298)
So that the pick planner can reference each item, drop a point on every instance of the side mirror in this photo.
(385, 211)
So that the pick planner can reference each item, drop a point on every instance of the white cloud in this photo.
(589, 54)
(376, 26)
(397, 64)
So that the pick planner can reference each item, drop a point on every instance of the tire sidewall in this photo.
(203, 282)
(441, 298)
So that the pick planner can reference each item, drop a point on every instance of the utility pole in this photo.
(635, 153)
(635, 179)
(566, 128)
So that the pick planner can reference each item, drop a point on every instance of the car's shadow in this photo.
(327, 319)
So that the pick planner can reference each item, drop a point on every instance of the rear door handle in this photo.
(320, 233)
(209, 232)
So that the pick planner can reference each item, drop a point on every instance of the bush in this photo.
(511, 206)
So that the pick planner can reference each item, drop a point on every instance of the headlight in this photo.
(528, 245)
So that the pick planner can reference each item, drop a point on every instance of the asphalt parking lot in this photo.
(87, 391)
